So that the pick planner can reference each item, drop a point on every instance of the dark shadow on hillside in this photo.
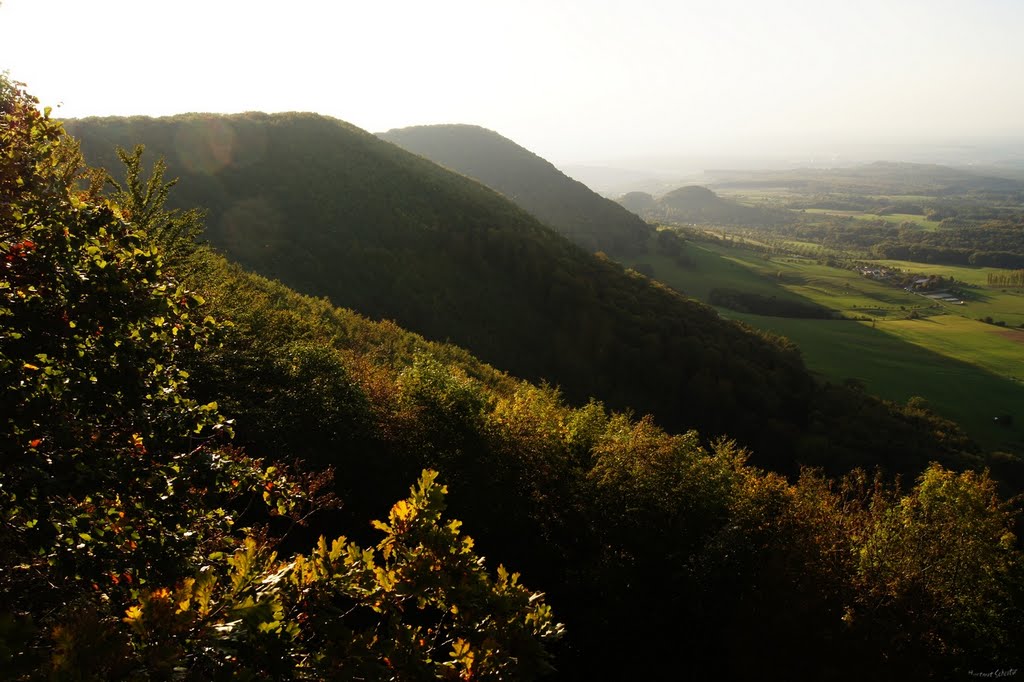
(895, 369)
(975, 294)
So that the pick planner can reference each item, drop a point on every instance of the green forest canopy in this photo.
(137, 541)
(333, 211)
(568, 206)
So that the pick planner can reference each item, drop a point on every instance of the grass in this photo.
(774, 197)
(711, 271)
(891, 365)
(963, 273)
(845, 291)
(967, 370)
(981, 300)
(998, 350)
(896, 218)
(908, 198)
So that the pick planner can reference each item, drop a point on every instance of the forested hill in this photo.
(701, 206)
(333, 211)
(573, 209)
(181, 440)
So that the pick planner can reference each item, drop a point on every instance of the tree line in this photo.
(1006, 279)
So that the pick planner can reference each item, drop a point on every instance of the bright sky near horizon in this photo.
(573, 80)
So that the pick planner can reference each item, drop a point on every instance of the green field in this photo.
(776, 197)
(963, 273)
(711, 271)
(845, 291)
(896, 198)
(788, 278)
(968, 371)
(998, 350)
(896, 218)
(892, 367)
(981, 301)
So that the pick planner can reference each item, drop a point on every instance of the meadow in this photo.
(966, 370)
(792, 278)
(981, 301)
(895, 218)
(895, 363)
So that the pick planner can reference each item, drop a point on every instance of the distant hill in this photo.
(700, 206)
(638, 202)
(334, 211)
(880, 177)
(585, 217)
(692, 197)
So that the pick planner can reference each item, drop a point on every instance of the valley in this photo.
(949, 333)
(942, 354)
(796, 253)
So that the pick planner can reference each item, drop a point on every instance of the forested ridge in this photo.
(179, 432)
(332, 211)
(569, 206)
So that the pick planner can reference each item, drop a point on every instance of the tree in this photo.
(124, 498)
(143, 203)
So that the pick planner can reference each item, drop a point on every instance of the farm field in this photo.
(963, 273)
(967, 370)
(787, 278)
(997, 349)
(711, 271)
(893, 367)
(841, 290)
(982, 301)
(896, 218)
(772, 196)
(895, 198)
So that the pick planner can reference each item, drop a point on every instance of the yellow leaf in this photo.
(401, 510)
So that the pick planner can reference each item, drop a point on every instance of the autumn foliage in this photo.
(136, 540)
(179, 444)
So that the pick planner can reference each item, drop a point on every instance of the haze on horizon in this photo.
(575, 81)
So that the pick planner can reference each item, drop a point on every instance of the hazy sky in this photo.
(572, 80)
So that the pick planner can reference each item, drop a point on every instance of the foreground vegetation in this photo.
(138, 542)
(168, 550)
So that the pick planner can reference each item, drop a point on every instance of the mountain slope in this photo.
(333, 211)
(583, 502)
(585, 217)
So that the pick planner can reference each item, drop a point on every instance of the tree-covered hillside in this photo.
(701, 206)
(141, 539)
(333, 211)
(569, 206)
(138, 541)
